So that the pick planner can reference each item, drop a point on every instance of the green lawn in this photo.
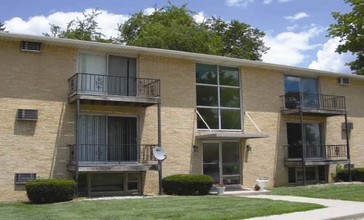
(353, 192)
(171, 207)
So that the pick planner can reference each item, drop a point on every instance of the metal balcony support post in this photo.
(347, 144)
(77, 146)
(159, 144)
(303, 137)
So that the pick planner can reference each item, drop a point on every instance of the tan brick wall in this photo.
(39, 81)
(355, 107)
(261, 91)
(177, 113)
(34, 81)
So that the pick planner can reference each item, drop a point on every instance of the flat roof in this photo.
(196, 57)
(231, 135)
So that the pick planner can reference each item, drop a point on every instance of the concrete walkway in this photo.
(336, 209)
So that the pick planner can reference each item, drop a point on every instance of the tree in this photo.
(174, 28)
(2, 27)
(86, 29)
(240, 40)
(349, 28)
(169, 27)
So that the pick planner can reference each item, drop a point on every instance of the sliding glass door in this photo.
(313, 140)
(221, 161)
(299, 90)
(101, 74)
(107, 139)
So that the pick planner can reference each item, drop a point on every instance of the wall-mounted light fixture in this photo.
(248, 147)
(195, 148)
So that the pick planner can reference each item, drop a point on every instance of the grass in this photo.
(171, 207)
(352, 192)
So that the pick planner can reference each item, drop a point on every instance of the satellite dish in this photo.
(158, 153)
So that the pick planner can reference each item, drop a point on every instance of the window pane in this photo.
(291, 175)
(210, 116)
(206, 74)
(229, 97)
(230, 119)
(310, 173)
(206, 95)
(229, 76)
(291, 84)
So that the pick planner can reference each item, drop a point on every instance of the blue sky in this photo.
(295, 29)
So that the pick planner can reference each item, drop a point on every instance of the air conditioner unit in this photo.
(27, 114)
(30, 46)
(343, 81)
(22, 178)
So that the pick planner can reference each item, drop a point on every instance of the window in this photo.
(218, 97)
(314, 174)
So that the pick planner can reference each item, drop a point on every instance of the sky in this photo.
(296, 30)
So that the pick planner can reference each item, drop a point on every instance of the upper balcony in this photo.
(310, 103)
(108, 88)
(315, 154)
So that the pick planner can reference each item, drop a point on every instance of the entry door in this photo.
(221, 161)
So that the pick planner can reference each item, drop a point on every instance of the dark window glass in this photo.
(291, 175)
(229, 76)
(210, 116)
(230, 119)
(206, 74)
(322, 173)
(206, 95)
(229, 97)
(310, 173)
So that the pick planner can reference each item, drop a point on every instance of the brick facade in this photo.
(31, 80)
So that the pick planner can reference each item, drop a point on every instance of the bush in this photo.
(357, 174)
(50, 190)
(187, 184)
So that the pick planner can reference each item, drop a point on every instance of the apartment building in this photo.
(93, 112)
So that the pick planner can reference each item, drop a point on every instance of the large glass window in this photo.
(218, 97)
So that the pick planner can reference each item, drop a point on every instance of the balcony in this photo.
(315, 154)
(109, 158)
(108, 88)
(310, 103)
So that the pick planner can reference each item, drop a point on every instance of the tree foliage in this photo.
(86, 29)
(174, 28)
(2, 27)
(349, 28)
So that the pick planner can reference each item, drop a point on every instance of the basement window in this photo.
(22, 178)
(30, 46)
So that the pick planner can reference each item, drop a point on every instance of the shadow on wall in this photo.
(26, 128)
(65, 137)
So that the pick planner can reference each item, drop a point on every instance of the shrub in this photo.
(187, 184)
(357, 174)
(50, 190)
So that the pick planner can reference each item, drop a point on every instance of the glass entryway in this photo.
(221, 161)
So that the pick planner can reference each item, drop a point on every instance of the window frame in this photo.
(219, 107)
